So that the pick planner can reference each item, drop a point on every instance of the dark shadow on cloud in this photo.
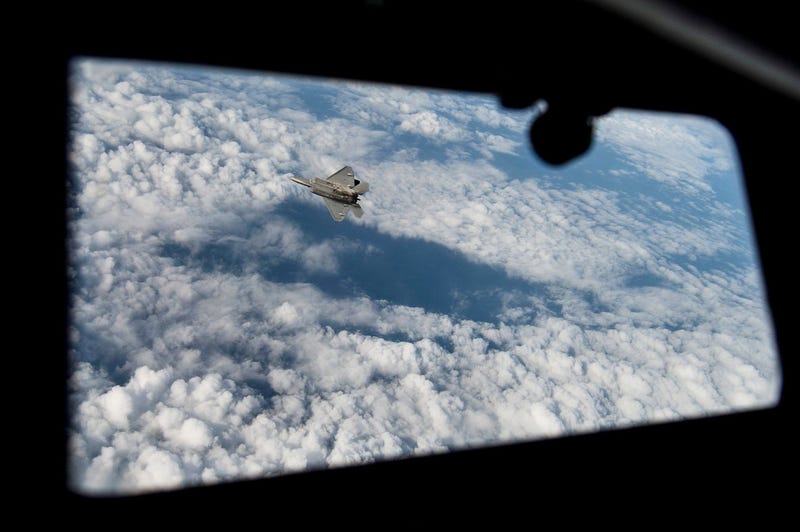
(644, 279)
(406, 271)
(225, 256)
(101, 350)
(401, 271)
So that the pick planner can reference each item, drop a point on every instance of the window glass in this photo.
(223, 325)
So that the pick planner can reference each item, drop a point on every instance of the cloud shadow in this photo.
(401, 271)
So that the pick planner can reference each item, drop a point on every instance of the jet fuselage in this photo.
(327, 189)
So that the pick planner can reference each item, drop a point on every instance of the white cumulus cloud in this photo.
(683, 153)
(216, 333)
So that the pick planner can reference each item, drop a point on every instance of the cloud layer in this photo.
(206, 344)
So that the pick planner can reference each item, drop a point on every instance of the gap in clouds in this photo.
(602, 168)
(721, 211)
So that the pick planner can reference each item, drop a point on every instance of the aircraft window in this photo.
(224, 325)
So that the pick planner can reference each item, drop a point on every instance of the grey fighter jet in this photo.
(340, 192)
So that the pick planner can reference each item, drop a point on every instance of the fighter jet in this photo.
(340, 192)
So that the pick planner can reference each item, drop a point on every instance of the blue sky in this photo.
(224, 327)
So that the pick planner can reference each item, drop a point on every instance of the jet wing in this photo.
(344, 177)
(337, 210)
